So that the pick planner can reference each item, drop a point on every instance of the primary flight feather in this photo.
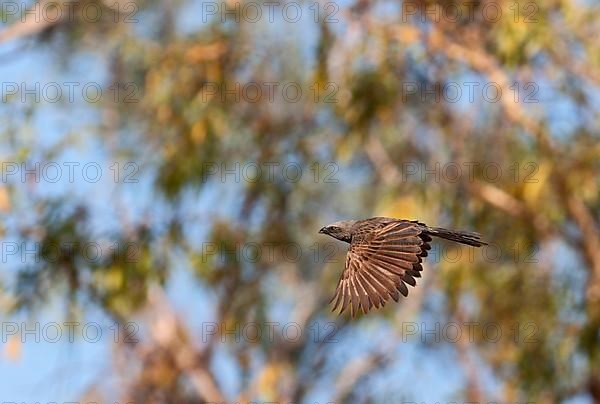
(385, 255)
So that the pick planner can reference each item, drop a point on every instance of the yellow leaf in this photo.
(112, 278)
(198, 132)
(201, 53)
(12, 349)
(4, 200)
(268, 380)
(534, 182)
(407, 34)
(403, 208)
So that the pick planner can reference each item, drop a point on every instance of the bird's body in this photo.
(384, 255)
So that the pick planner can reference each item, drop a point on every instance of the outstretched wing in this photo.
(381, 260)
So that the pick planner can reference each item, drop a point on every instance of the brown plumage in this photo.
(385, 255)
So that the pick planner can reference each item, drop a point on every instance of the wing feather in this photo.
(365, 302)
(346, 296)
(374, 296)
(383, 257)
(402, 288)
(354, 296)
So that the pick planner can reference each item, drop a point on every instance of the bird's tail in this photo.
(464, 237)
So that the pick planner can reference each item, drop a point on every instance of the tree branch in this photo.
(34, 22)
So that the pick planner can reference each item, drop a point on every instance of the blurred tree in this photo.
(378, 82)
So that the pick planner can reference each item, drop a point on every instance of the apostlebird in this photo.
(384, 255)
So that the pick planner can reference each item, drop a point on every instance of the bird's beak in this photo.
(322, 230)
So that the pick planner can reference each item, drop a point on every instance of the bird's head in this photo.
(339, 230)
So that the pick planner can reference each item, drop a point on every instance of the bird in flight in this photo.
(384, 255)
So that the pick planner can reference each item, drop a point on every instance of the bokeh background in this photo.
(226, 134)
